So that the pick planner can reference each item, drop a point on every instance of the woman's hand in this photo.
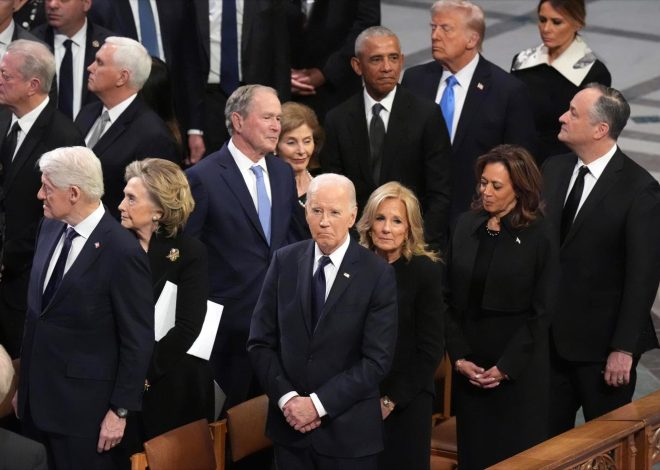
(492, 377)
(478, 376)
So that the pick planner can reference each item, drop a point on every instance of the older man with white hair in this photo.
(89, 325)
(122, 128)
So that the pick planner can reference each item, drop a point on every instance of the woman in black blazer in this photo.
(391, 225)
(557, 69)
(156, 205)
(503, 268)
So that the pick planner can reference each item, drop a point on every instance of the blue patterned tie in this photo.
(447, 103)
(229, 48)
(263, 203)
(148, 27)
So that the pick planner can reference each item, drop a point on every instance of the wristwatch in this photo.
(387, 403)
(120, 412)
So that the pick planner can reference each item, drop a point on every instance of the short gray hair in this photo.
(611, 108)
(474, 15)
(334, 180)
(132, 56)
(373, 31)
(74, 166)
(240, 101)
(6, 373)
(38, 62)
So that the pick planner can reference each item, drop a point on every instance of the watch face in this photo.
(122, 412)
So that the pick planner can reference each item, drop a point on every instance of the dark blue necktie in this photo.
(148, 27)
(263, 202)
(228, 48)
(318, 290)
(447, 102)
(376, 140)
(65, 92)
(58, 271)
(572, 203)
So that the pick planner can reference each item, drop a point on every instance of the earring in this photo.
(154, 219)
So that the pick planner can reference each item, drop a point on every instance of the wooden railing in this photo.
(628, 438)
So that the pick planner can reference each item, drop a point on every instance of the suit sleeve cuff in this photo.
(286, 397)
(317, 404)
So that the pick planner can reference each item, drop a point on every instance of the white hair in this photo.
(132, 56)
(6, 373)
(38, 62)
(334, 180)
(74, 166)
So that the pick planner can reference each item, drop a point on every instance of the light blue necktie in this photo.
(447, 103)
(148, 27)
(263, 203)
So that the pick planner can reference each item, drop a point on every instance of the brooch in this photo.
(173, 255)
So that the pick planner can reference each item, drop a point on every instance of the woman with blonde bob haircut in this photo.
(391, 225)
(156, 206)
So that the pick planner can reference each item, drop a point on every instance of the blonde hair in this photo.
(168, 189)
(414, 244)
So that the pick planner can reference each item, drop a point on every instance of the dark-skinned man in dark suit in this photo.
(606, 212)
(490, 106)
(413, 148)
(322, 338)
(40, 127)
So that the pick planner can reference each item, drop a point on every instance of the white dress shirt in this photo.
(25, 123)
(330, 271)
(136, 20)
(84, 230)
(113, 113)
(215, 22)
(464, 78)
(6, 37)
(79, 41)
(596, 169)
(244, 164)
(386, 102)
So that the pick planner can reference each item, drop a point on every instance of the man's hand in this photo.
(617, 369)
(304, 82)
(301, 414)
(196, 148)
(112, 430)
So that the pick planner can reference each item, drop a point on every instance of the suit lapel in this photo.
(345, 274)
(42, 262)
(87, 117)
(359, 135)
(159, 248)
(202, 12)
(304, 283)
(125, 15)
(431, 80)
(556, 190)
(118, 127)
(395, 135)
(279, 205)
(478, 88)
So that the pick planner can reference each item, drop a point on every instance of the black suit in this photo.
(416, 152)
(138, 133)
(87, 349)
(22, 212)
(21, 33)
(610, 263)
(327, 41)
(21, 453)
(342, 360)
(180, 46)
(95, 38)
(497, 110)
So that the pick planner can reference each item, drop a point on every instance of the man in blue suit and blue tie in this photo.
(244, 199)
(89, 329)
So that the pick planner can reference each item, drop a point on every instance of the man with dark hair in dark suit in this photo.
(606, 212)
(322, 37)
(482, 104)
(167, 29)
(74, 40)
(89, 329)
(244, 199)
(232, 53)
(322, 338)
(121, 128)
(405, 140)
(30, 125)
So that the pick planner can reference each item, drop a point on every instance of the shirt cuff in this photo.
(286, 397)
(317, 404)
(195, 132)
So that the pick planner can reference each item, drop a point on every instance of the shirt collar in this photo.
(336, 256)
(386, 102)
(7, 35)
(78, 38)
(242, 161)
(28, 119)
(463, 76)
(597, 167)
(85, 227)
(119, 108)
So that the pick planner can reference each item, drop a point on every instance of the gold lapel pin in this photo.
(95, 43)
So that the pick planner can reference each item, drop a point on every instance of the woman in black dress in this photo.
(156, 205)
(503, 267)
(557, 69)
(391, 225)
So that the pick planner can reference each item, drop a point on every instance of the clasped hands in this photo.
(301, 414)
(478, 376)
(304, 82)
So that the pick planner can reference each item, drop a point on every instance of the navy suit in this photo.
(497, 110)
(226, 220)
(136, 134)
(342, 360)
(89, 348)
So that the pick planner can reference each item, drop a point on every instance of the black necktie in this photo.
(8, 148)
(376, 139)
(65, 93)
(228, 48)
(58, 271)
(572, 202)
(318, 290)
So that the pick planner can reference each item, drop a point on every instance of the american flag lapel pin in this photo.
(480, 86)
(347, 276)
(518, 240)
(97, 245)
